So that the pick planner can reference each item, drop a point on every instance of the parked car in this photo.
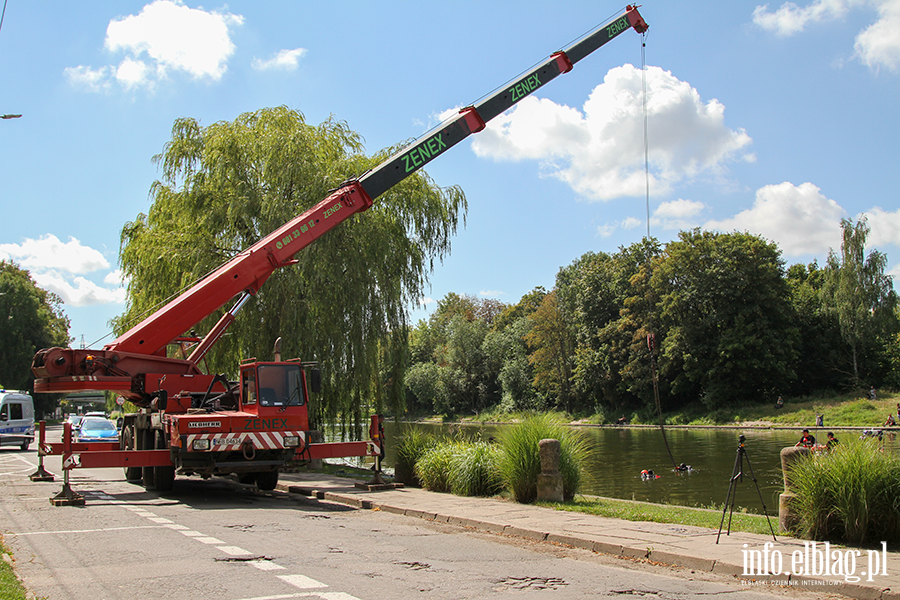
(16, 419)
(95, 429)
(75, 421)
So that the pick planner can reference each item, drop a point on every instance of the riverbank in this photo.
(837, 411)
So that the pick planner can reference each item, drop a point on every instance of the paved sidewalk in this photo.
(684, 546)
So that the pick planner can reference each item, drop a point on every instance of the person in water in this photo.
(683, 467)
(807, 440)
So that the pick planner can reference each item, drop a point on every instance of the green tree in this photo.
(551, 340)
(30, 319)
(226, 185)
(860, 293)
(726, 313)
(821, 356)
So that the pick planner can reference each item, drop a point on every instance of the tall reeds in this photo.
(520, 461)
(850, 494)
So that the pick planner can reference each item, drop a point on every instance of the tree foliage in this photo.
(226, 185)
(726, 318)
(860, 295)
(30, 319)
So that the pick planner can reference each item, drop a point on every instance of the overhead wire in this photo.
(651, 336)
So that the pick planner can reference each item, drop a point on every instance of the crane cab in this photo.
(273, 388)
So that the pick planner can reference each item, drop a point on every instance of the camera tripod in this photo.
(738, 473)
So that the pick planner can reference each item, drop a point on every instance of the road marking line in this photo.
(335, 596)
(234, 550)
(192, 533)
(176, 527)
(302, 581)
(265, 565)
(160, 520)
(87, 530)
(209, 540)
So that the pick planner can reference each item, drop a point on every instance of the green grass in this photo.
(10, 586)
(665, 513)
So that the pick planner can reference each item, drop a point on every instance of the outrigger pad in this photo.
(67, 497)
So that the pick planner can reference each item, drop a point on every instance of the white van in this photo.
(16, 419)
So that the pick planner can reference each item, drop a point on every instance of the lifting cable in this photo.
(651, 336)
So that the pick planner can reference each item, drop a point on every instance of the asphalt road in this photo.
(219, 539)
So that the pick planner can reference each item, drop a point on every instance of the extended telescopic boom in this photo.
(142, 348)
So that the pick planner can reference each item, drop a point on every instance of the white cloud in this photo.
(166, 36)
(58, 267)
(287, 60)
(790, 18)
(884, 227)
(78, 291)
(800, 219)
(606, 230)
(490, 293)
(600, 152)
(876, 46)
(879, 44)
(678, 214)
(92, 80)
(50, 253)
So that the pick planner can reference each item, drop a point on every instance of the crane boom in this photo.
(142, 350)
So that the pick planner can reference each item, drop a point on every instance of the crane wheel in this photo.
(127, 443)
(164, 476)
(267, 480)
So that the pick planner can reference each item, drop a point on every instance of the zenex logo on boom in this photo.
(816, 560)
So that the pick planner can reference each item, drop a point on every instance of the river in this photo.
(621, 453)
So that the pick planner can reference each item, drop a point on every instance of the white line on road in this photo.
(301, 581)
(88, 530)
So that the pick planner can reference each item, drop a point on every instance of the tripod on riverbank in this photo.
(738, 473)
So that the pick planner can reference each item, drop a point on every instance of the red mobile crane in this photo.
(198, 423)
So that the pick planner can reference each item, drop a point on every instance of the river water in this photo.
(621, 453)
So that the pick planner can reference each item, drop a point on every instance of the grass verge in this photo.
(666, 513)
(10, 586)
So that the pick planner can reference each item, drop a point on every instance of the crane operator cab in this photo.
(277, 385)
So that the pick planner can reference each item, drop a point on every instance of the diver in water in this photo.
(683, 467)
(648, 474)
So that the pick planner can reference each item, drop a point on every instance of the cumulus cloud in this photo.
(884, 227)
(599, 150)
(287, 60)
(165, 37)
(799, 218)
(789, 18)
(60, 267)
(876, 46)
(678, 214)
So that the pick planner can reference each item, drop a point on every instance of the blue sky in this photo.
(774, 119)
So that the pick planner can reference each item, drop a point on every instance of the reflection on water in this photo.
(621, 453)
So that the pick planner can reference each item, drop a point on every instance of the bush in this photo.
(520, 461)
(474, 470)
(851, 494)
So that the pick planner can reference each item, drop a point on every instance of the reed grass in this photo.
(850, 494)
(412, 443)
(520, 461)
(435, 466)
(474, 470)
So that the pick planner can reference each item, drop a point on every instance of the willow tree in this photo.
(343, 303)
